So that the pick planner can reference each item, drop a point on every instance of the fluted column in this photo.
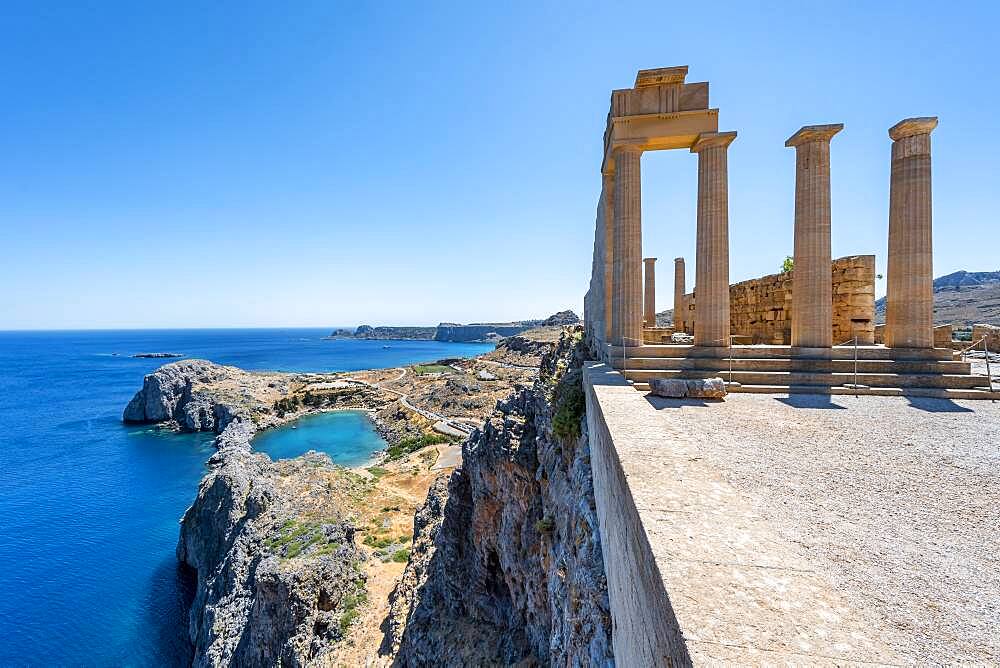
(812, 285)
(649, 292)
(711, 324)
(679, 279)
(608, 193)
(909, 317)
(626, 316)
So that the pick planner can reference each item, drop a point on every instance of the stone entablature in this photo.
(761, 308)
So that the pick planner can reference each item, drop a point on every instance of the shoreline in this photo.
(295, 519)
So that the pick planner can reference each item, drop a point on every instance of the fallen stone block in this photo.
(706, 388)
(668, 387)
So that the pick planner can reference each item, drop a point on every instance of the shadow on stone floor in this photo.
(933, 405)
(810, 401)
(666, 402)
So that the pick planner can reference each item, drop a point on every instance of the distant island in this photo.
(455, 332)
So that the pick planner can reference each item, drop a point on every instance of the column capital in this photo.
(649, 259)
(678, 259)
(909, 127)
(708, 140)
(627, 148)
(811, 133)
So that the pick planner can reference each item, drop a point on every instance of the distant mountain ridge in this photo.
(962, 298)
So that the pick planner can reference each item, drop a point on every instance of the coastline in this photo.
(260, 498)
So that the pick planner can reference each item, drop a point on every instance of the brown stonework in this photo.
(761, 308)
(679, 281)
(712, 241)
(608, 221)
(812, 325)
(626, 315)
(992, 334)
(649, 292)
(909, 314)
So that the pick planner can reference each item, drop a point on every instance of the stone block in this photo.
(706, 388)
(669, 387)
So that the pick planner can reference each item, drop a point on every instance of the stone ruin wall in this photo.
(761, 308)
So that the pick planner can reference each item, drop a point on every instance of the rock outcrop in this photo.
(566, 317)
(170, 394)
(506, 563)
(272, 588)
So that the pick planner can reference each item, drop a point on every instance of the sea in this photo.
(89, 507)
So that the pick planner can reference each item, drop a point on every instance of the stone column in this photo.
(679, 278)
(626, 316)
(711, 265)
(909, 315)
(608, 192)
(649, 292)
(812, 286)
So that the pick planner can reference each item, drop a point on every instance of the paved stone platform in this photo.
(895, 500)
(797, 529)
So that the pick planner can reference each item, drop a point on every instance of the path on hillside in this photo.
(442, 423)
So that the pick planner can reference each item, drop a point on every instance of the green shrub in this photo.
(414, 443)
(401, 556)
(570, 408)
(545, 525)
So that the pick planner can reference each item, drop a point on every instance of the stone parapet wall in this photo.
(761, 308)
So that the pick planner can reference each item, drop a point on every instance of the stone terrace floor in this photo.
(896, 500)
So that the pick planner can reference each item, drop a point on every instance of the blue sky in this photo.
(279, 164)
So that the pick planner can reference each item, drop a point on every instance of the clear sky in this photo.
(290, 163)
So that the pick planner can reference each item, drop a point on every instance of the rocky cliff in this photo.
(273, 588)
(506, 563)
(277, 570)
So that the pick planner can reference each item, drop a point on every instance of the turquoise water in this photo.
(89, 508)
(347, 436)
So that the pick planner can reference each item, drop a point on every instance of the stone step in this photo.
(779, 352)
(935, 392)
(819, 379)
(793, 364)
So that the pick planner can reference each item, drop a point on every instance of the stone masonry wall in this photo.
(761, 308)
(992, 334)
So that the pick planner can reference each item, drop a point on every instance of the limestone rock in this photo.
(256, 603)
(706, 388)
(168, 394)
(668, 387)
(506, 564)
(485, 375)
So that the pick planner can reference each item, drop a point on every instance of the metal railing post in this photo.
(986, 354)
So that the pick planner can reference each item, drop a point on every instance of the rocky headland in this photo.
(451, 332)
(294, 560)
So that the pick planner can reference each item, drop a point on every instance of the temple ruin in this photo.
(825, 330)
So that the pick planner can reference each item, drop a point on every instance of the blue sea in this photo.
(89, 507)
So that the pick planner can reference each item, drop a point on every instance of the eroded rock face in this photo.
(168, 394)
(506, 563)
(272, 589)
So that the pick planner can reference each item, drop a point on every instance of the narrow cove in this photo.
(348, 436)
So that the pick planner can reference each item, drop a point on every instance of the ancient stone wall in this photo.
(761, 308)
(992, 334)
